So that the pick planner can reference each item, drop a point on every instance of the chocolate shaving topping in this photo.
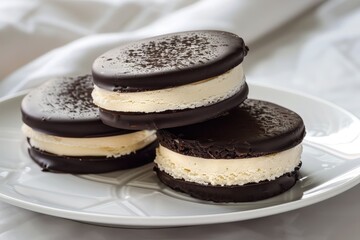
(168, 60)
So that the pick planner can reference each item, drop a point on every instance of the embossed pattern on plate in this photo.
(135, 198)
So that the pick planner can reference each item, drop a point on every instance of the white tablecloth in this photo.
(296, 44)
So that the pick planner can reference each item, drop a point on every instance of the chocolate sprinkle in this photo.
(254, 128)
(69, 97)
(168, 60)
(173, 52)
(64, 107)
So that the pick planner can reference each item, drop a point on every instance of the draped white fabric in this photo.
(40, 39)
(309, 45)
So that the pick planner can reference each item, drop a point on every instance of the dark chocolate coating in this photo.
(168, 60)
(84, 165)
(140, 121)
(252, 129)
(237, 193)
(64, 107)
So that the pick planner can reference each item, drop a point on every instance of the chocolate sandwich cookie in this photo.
(170, 80)
(250, 153)
(65, 133)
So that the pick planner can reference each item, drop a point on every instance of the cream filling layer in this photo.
(111, 146)
(198, 94)
(226, 172)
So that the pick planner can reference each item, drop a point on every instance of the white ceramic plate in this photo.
(135, 198)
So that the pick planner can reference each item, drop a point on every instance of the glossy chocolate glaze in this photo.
(141, 121)
(168, 60)
(236, 193)
(252, 129)
(83, 165)
(64, 107)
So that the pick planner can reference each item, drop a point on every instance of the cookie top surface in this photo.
(253, 129)
(64, 107)
(168, 60)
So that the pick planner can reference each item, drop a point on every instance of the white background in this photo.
(311, 46)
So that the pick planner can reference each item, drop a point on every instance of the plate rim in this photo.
(172, 221)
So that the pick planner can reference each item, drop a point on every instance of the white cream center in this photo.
(227, 172)
(111, 146)
(192, 95)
